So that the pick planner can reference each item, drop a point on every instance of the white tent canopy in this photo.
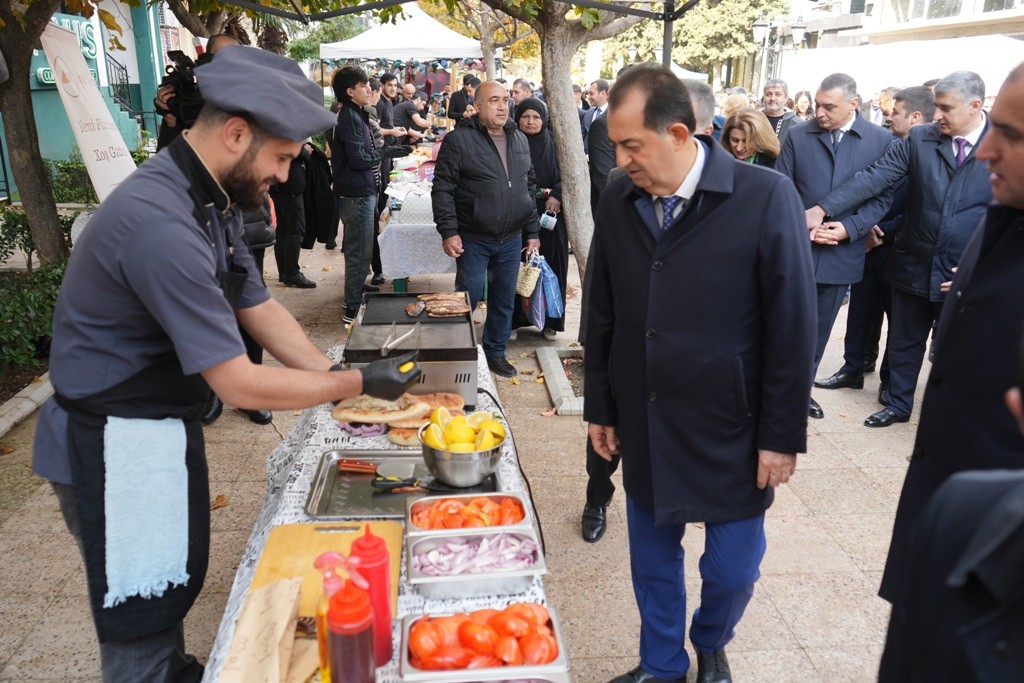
(418, 37)
(907, 63)
(682, 72)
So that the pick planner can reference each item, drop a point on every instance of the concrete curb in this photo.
(24, 403)
(566, 402)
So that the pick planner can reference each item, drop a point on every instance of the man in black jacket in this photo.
(484, 207)
(461, 104)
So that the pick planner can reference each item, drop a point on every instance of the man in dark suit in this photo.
(597, 95)
(871, 298)
(698, 364)
(601, 157)
(819, 155)
(460, 106)
(949, 192)
(963, 424)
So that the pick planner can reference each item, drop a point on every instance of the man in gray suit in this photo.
(819, 155)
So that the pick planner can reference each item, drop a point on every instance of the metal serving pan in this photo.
(413, 506)
(471, 584)
(554, 671)
(350, 496)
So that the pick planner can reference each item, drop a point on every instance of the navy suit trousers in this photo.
(912, 320)
(729, 568)
(867, 298)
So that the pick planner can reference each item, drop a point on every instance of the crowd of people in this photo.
(728, 234)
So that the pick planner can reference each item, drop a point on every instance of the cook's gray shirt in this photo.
(142, 282)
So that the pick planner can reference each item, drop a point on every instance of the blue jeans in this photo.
(729, 568)
(497, 265)
(356, 215)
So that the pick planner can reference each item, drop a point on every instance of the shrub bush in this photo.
(16, 236)
(27, 301)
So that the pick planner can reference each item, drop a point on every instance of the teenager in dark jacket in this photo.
(484, 207)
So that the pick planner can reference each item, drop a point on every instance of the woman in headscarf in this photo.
(532, 118)
(749, 136)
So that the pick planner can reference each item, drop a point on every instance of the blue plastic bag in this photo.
(535, 308)
(552, 291)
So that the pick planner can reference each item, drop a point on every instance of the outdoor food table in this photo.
(290, 471)
(409, 242)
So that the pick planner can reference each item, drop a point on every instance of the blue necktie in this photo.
(668, 208)
(837, 137)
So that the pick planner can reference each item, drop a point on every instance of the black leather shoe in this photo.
(298, 280)
(869, 368)
(713, 667)
(214, 407)
(595, 523)
(330, 246)
(260, 417)
(370, 288)
(815, 410)
(884, 418)
(500, 366)
(841, 380)
(377, 279)
(638, 675)
(883, 394)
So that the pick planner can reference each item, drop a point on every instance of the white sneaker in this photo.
(549, 334)
(513, 335)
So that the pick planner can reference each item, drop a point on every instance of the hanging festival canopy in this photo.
(418, 37)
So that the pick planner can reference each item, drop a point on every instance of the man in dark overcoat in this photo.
(964, 425)
(819, 155)
(699, 347)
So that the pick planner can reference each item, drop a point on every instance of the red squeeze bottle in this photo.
(350, 636)
(374, 564)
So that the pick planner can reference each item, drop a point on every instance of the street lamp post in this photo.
(762, 32)
(632, 52)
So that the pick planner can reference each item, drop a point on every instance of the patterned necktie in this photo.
(837, 137)
(961, 151)
(668, 208)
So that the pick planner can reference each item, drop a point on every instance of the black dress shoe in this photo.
(500, 366)
(370, 288)
(841, 380)
(884, 418)
(869, 368)
(214, 407)
(331, 246)
(638, 675)
(815, 411)
(595, 522)
(260, 417)
(298, 280)
(713, 667)
(883, 394)
(377, 279)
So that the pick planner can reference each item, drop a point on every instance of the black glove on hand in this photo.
(388, 379)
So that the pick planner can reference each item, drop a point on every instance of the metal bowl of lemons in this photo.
(462, 450)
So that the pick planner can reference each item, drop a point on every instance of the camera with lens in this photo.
(187, 100)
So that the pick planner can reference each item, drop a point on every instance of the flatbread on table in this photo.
(453, 402)
(404, 436)
(372, 410)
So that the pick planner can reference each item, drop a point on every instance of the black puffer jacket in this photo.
(473, 196)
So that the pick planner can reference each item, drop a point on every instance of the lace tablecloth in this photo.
(290, 471)
(408, 249)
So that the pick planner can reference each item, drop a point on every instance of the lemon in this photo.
(441, 417)
(478, 418)
(494, 427)
(434, 437)
(485, 440)
(458, 419)
(459, 432)
(461, 447)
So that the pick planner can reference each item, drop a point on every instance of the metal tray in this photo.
(538, 672)
(349, 496)
(466, 585)
(414, 505)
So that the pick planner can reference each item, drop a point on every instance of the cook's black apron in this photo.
(161, 390)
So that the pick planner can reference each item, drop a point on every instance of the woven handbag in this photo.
(529, 275)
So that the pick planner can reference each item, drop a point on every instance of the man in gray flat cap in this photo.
(146, 323)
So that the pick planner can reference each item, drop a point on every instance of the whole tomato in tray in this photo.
(522, 633)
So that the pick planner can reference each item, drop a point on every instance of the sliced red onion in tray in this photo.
(503, 552)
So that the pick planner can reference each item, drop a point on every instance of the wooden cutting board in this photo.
(291, 549)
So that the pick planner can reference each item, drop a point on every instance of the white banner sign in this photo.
(103, 150)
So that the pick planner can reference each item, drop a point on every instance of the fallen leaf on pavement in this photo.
(539, 380)
(549, 412)
(524, 355)
(219, 502)
(514, 380)
(7, 450)
(527, 372)
(37, 380)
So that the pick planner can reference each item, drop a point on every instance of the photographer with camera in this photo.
(178, 99)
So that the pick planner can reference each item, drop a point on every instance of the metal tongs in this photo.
(391, 342)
